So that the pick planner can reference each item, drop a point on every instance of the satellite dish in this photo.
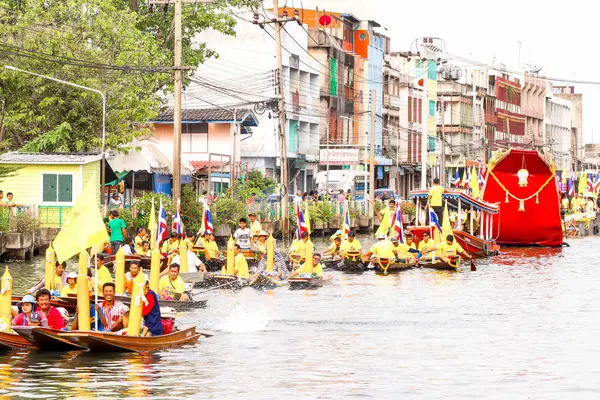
(451, 72)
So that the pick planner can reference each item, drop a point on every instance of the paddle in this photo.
(217, 287)
(473, 267)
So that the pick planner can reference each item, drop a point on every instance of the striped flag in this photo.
(457, 180)
(467, 178)
(596, 183)
(346, 223)
(162, 224)
(301, 223)
(480, 177)
(398, 227)
(208, 225)
(571, 186)
(433, 219)
(177, 224)
(590, 183)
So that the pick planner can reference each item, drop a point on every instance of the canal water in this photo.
(526, 324)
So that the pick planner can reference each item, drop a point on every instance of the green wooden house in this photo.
(49, 183)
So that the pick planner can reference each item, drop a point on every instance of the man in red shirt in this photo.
(55, 319)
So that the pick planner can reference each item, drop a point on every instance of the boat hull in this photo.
(440, 266)
(309, 283)
(46, 339)
(14, 341)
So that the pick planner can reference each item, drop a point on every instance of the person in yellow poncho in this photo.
(298, 249)
(170, 245)
(424, 245)
(240, 268)
(71, 287)
(317, 269)
(352, 244)
(103, 273)
(450, 250)
(406, 252)
(334, 248)
(381, 249)
(260, 242)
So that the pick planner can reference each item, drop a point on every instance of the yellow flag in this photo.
(446, 227)
(85, 229)
(582, 187)
(307, 219)
(386, 221)
(474, 184)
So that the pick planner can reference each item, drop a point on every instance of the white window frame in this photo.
(57, 203)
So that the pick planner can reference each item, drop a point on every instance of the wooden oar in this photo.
(217, 287)
(473, 267)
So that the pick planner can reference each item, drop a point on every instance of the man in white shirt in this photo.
(193, 262)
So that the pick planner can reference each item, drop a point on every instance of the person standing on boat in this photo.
(424, 245)
(27, 305)
(151, 311)
(381, 249)
(55, 319)
(111, 310)
(171, 286)
(118, 231)
(60, 280)
(434, 199)
(242, 235)
(255, 226)
(450, 250)
(317, 269)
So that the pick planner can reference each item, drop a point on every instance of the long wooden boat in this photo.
(105, 342)
(46, 339)
(309, 283)
(475, 246)
(70, 303)
(332, 264)
(440, 265)
(14, 341)
(384, 266)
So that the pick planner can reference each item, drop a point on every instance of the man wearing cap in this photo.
(352, 244)
(151, 311)
(112, 310)
(381, 249)
(60, 279)
(255, 226)
(55, 319)
(317, 269)
(71, 287)
(27, 305)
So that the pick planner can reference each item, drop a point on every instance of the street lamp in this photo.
(103, 175)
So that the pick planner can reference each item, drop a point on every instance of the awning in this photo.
(120, 177)
(198, 165)
(145, 156)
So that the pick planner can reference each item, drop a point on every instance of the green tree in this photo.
(63, 39)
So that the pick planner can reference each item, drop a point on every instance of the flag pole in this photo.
(95, 290)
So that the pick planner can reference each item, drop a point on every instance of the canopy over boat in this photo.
(454, 195)
(524, 184)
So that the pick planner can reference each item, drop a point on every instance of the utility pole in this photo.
(425, 118)
(443, 160)
(285, 223)
(372, 156)
(177, 106)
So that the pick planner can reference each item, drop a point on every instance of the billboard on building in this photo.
(339, 157)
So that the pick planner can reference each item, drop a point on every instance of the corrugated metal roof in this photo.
(48, 158)
(244, 116)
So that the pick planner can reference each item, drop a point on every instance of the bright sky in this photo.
(560, 38)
